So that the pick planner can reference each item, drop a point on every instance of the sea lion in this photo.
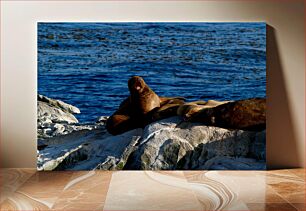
(188, 109)
(247, 114)
(171, 100)
(167, 109)
(132, 111)
(121, 121)
(142, 98)
(140, 108)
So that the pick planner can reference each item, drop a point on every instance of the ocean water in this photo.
(88, 64)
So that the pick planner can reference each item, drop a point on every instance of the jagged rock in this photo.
(64, 144)
(166, 144)
(55, 118)
(47, 113)
(102, 119)
(58, 104)
(174, 144)
(87, 150)
(230, 163)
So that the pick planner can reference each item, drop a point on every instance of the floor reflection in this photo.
(26, 189)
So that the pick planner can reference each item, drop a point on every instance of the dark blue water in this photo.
(88, 64)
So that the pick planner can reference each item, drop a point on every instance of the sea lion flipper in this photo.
(117, 124)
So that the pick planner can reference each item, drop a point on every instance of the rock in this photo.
(167, 144)
(230, 163)
(58, 129)
(47, 113)
(173, 144)
(55, 118)
(102, 120)
(88, 150)
(58, 104)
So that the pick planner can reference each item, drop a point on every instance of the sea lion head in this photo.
(137, 85)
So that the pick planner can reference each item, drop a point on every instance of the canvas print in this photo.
(151, 96)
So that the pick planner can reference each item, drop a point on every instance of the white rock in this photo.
(47, 113)
(102, 119)
(59, 104)
(173, 144)
(166, 144)
(88, 149)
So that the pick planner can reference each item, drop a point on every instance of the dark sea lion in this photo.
(140, 108)
(120, 121)
(247, 114)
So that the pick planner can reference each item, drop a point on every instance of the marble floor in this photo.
(26, 189)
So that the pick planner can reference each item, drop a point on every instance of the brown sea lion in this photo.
(171, 100)
(142, 98)
(121, 121)
(247, 114)
(167, 109)
(140, 108)
(132, 111)
(188, 109)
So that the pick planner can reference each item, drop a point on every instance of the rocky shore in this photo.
(167, 144)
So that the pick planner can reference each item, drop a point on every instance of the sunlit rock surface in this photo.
(64, 144)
